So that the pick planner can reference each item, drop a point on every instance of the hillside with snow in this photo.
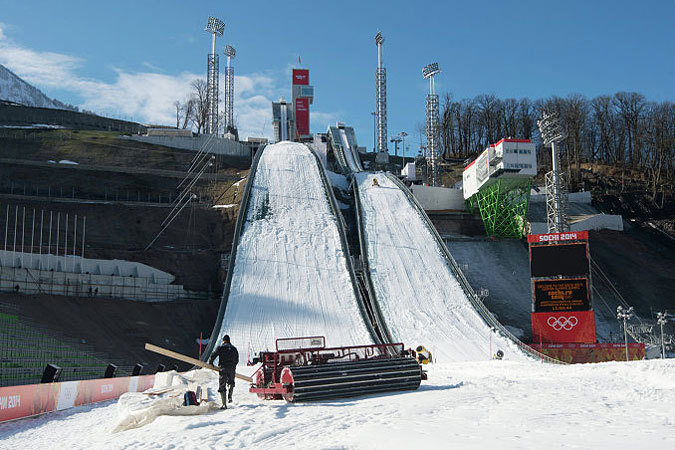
(14, 89)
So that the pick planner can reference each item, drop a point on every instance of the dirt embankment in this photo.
(124, 206)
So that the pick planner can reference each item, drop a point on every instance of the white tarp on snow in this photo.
(290, 277)
(421, 301)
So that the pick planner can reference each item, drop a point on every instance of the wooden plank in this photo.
(189, 360)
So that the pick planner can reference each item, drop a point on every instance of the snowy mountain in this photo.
(14, 89)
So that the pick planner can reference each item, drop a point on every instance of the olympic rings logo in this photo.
(562, 323)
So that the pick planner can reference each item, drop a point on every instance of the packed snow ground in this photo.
(485, 404)
(290, 277)
(420, 298)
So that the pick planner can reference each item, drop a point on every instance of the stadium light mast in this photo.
(230, 52)
(431, 106)
(381, 103)
(556, 191)
(214, 26)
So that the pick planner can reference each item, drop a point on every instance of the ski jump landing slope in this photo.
(420, 299)
(346, 155)
(290, 275)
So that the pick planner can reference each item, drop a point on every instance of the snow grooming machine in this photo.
(303, 370)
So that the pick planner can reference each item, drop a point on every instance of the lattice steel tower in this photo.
(556, 189)
(230, 52)
(215, 27)
(381, 99)
(431, 107)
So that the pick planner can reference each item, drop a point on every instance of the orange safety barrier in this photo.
(33, 399)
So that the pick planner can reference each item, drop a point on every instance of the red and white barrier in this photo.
(33, 399)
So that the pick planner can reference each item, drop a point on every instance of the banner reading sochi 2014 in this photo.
(575, 326)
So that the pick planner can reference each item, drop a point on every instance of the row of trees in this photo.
(623, 129)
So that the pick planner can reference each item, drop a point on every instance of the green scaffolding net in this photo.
(503, 206)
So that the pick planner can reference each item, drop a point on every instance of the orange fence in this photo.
(33, 399)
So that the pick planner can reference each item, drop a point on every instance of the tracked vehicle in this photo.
(304, 369)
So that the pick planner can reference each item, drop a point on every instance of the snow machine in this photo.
(303, 370)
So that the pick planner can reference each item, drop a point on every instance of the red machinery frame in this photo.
(271, 381)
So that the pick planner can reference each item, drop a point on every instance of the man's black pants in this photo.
(226, 378)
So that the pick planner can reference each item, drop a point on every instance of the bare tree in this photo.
(509, 117)
(179, 112)
(490, 108)
(629, 106)
(575, 115)
(525, 118)
(188, 111)
(200, 108)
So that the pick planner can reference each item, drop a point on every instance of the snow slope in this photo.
(468, 405)
(348, 152)
(14, 89)
(421, 301)
(290, 276)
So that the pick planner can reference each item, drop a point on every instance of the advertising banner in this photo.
(557, 237)
(302, 115)
(561, 295)
(33, 399)
(300, 76)
(588, 353)
(563, 327)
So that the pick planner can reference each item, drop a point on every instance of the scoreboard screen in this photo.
(561, 295)
(562, 259)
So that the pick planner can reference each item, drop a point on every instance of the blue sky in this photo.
(134, 59)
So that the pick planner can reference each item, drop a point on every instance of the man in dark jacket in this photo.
(228, 357)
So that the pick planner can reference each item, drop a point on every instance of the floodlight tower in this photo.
(215, 27)
(381, 102)
(431, 105)
(230, 52)
(556, 191)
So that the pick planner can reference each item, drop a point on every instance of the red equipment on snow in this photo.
(303, 369)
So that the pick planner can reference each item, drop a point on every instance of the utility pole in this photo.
(624, 314)
(661, 320)
(396, 140)
(403, 134)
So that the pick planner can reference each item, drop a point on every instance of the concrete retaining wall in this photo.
(595, 222)
(438, 198)
(215, 145)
